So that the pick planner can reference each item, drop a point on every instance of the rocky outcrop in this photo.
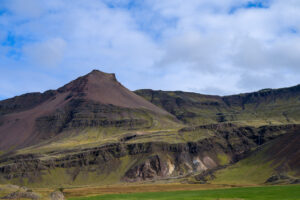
(282, 179)
(151, 168)
(57, 195)
(22, 195)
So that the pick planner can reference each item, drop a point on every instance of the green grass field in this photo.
(290, 192)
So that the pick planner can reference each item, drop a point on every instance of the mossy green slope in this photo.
(278, 157)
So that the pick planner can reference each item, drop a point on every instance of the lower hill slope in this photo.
(137, 156)
(276, 162)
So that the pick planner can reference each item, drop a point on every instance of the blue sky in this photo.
(208, 46)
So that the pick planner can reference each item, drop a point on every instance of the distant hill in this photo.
(268, 106)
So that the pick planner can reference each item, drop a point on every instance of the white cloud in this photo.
(174, 45)
(24, 8)
(197, 51)
(48, 53)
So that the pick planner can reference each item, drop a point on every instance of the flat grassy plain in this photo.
(288, 192)
(137, 188)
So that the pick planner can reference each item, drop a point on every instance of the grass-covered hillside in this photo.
(276, 162)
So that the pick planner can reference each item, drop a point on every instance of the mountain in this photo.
(96, 99)
(268, 106)
(94, 131)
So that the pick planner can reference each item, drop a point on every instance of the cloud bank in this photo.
(208, 46)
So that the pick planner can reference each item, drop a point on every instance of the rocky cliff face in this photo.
(140, 161)
(80, 113)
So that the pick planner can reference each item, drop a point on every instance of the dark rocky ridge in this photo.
(24, 102)
(280, 105)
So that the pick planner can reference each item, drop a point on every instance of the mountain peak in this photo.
(94, 78)
(104, 88)
(100, 74)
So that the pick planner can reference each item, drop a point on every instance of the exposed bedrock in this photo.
(80, 113)
(143, 161)
(149, 161)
